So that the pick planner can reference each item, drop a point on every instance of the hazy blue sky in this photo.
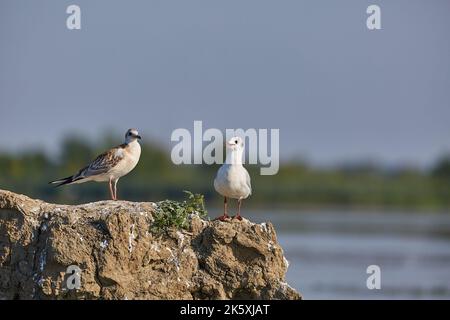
(336, 90)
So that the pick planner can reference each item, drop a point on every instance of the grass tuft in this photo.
(175, 214)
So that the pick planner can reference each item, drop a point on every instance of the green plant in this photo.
(174, 214)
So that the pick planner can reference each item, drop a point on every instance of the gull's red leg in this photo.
(111, 189)
(238, 216)
(115, 189)
(225, 209)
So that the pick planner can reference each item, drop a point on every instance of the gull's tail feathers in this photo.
(63, 181)
(69, 180)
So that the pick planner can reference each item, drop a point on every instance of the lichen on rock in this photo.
(121, 258)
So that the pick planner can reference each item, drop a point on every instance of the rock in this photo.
(119, 258)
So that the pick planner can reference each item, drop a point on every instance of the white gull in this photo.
(232, 179)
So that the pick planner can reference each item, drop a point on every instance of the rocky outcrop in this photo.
(105, 250)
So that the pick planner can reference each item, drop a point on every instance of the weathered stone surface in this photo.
(119, 258)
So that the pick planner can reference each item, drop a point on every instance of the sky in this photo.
(337, 91)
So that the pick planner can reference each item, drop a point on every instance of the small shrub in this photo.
(174, 214)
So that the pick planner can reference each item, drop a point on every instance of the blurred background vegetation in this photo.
(297, 185)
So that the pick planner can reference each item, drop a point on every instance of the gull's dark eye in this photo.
(235, 141)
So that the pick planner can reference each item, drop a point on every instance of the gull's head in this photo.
(132, 135)
(235, 143)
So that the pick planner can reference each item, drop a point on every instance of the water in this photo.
(329, 253)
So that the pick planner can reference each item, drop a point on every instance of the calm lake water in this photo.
(329, 253)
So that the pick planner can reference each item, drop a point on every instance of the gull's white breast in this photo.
(130, 158)
(233, 181)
